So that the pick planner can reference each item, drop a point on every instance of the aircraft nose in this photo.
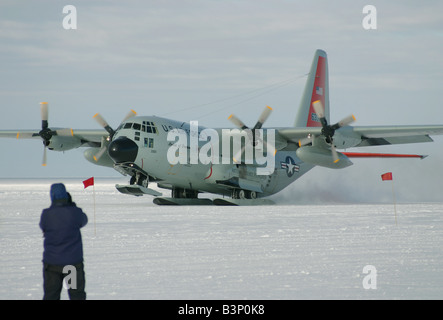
(123, 149)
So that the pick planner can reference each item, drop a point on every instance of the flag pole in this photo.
(395, 201)
(87, 183)
(388, 176)
(93, 196)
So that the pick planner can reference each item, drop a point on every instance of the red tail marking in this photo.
(318, 92)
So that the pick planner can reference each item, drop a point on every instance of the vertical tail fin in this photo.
(316, 88)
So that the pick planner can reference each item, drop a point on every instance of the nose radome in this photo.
(123, 149)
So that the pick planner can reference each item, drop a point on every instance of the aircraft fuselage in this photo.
(146, 144)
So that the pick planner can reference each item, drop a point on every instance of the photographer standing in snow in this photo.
(63, 247)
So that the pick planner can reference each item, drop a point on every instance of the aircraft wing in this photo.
(88, 138)
(295, 134)
(362, 136)
(91, 136)
(19, 134)
(385, 135)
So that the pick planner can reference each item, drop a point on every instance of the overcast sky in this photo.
(205, 59)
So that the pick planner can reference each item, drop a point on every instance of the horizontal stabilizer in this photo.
(381, 155)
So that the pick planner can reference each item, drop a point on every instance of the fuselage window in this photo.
(149, 143)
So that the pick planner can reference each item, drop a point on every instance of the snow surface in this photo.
(144, 251)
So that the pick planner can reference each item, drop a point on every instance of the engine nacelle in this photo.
(62, 143)
(104, 160)
(322, 157)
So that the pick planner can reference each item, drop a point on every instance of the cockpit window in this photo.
(149, 127)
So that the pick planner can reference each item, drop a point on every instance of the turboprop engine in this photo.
(322, 157)
(103, 160)
(321, 150)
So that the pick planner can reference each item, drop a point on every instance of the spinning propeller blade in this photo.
(47, 133)
(111, 131)
(101, 121)
(263, 117)
(237, 122)
(261, 120)
(327, 131)
(44, 161)
(44, 114)
(131, 114)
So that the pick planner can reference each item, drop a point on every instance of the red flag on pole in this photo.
(386, 176)
(88, 182)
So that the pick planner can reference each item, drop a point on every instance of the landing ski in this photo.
(242, 202)
(136, 190)
(166, 201)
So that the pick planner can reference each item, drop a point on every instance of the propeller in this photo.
(327, 131)
(102, 122)
(261, 120)
(47, 133)
(263, 117)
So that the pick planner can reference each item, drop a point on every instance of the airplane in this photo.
(142, 148)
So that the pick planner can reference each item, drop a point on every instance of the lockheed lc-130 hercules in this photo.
(243, 165)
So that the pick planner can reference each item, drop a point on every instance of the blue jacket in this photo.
(61, 224)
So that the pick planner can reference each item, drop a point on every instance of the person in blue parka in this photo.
(63, 247)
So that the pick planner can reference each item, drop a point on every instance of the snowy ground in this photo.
(143, 251)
